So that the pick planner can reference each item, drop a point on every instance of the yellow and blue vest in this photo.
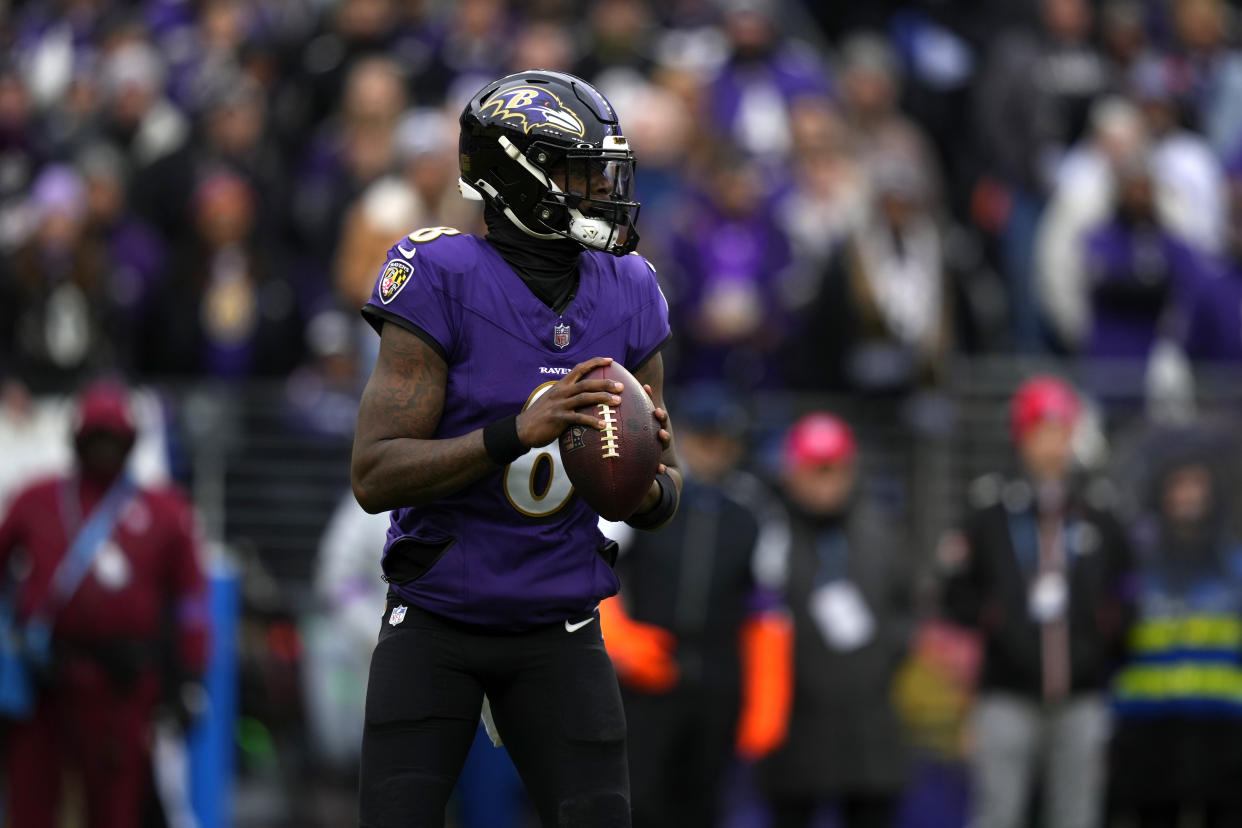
(1185, 650)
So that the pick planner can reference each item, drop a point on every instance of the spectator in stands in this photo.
(21, 155)
(1181, 159)
(1038, 569)
(700, 640)
(1123, 36)
(1207, 328)
(383, 213)
(113, 574)
(75, 117)
(881, 319)
(472, 46)
(58, 319)
(1213, 65)
(136, 253)
(141, 121)
(881, 135)
(827, 199)
(664, 126)
(1032, 100)
(618, 50)
(52, 42)
(351, 151)
(766, 72)
(544, 42)
(1116, 248)
(229, 309)
(1083, 198)
(234, 133)
(427, 152)
(1132, 270)
(727, 265)
(208, 52)
(850, 589)
(1177, 745)
(348, 32)
(321, 394)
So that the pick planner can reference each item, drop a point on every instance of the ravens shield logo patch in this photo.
(396, 274)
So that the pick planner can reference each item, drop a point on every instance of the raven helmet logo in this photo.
(533, 107)
(396, 274)
(560, 336)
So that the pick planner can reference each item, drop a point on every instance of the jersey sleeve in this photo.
(649, 326)
(409, 292)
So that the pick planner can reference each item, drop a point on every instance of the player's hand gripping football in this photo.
(557, 409)
(653, 493)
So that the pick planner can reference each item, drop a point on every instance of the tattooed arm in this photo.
(396, 461)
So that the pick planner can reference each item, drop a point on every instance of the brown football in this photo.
(612, 469)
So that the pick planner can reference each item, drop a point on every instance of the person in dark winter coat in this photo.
(1039, 570)
(849, 588)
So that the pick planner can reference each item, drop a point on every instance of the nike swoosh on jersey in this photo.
(409, 254)
(574, 627)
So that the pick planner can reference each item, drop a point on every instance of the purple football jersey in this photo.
(523, 548)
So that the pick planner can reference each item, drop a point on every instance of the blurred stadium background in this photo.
(896, 210)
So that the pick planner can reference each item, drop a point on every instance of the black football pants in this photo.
(555, 700)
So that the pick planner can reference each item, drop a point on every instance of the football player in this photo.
(495, 568)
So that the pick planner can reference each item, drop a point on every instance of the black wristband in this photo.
(501, 441)
(664, 509)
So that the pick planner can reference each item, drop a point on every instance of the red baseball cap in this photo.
(104, 406)
(1042, 398)
(819, 439)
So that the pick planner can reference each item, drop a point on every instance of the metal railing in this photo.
(268, 465)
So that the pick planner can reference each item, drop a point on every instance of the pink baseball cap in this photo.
(1042, 398)
(819, 439)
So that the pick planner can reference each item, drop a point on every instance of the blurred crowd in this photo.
(840, 199)
(834, 198)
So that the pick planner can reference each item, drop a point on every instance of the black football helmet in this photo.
(545, 149)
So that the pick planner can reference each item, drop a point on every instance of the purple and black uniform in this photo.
(520, 550)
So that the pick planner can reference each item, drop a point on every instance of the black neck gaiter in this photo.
(549, 268)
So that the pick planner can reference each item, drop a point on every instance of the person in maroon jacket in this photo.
(129, 640)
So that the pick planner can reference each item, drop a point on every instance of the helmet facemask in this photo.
(585, 193)
(590, 196)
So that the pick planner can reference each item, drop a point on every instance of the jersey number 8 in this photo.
(432, 233)
(530, 492)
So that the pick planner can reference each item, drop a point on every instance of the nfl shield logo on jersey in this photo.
(560, 336)
(398, 615)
